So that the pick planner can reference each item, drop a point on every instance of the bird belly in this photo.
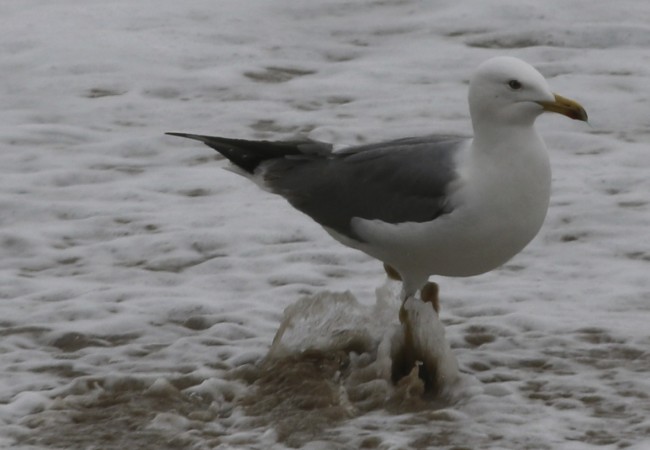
(449, 248)
(490, 224)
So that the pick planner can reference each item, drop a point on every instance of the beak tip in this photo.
(581, 115)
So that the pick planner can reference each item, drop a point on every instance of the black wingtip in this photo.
(186, 135)
(240, 157)
(207, 140)
(248, 155)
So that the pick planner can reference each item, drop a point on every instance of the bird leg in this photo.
(410, 355)
(392, 273)
(428, 292)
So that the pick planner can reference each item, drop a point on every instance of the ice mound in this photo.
(334, 358)
(325, 322)
(330, 323)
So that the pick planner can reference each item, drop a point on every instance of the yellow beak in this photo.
(566, 107)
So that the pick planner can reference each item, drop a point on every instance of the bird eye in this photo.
(515, 84)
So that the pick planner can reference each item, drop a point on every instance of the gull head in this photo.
(508, 91)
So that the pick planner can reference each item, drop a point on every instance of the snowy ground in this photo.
(141, 285)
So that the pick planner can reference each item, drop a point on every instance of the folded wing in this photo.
(397, 181)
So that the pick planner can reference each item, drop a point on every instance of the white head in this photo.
(508, 91)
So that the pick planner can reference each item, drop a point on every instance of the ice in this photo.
(141, 286)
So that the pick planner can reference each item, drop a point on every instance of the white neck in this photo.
(490, 139)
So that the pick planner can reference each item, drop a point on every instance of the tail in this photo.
(248, 155)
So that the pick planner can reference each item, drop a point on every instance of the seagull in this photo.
(435, 205)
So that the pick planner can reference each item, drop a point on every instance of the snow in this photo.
(141, 286)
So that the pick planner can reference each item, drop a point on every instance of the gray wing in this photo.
(398, 181)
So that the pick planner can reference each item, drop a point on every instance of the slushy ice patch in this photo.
(332, 359)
